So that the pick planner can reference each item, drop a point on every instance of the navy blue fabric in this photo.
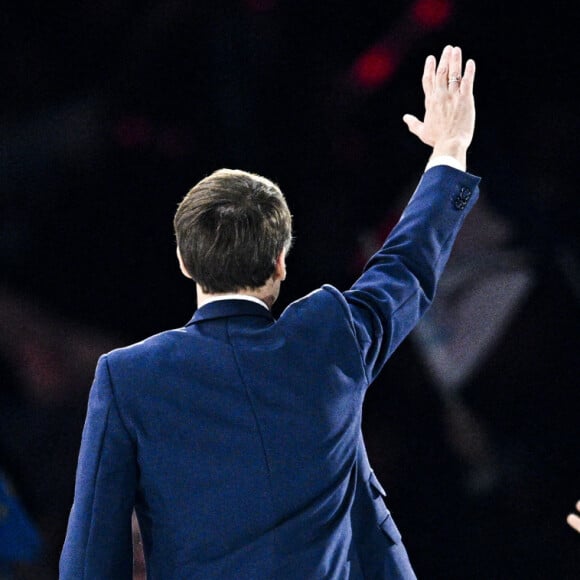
(237, 438)
(20, 538)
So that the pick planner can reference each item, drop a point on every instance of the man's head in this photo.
(232, 229)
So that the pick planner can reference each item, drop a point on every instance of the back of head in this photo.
(230, 229)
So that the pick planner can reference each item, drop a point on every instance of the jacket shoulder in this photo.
(152, 346)
(325, 300)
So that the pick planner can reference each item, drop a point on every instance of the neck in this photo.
(267, 294)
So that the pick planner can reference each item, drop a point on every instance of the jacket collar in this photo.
(228, 308)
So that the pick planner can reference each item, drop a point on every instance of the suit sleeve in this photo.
(98, 542)
(399, 281)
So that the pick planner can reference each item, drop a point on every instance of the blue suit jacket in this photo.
(237, 438)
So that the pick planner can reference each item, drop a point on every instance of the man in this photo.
(237, 439)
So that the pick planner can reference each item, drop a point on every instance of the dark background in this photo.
(110, 111)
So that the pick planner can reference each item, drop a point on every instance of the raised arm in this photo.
(400, 280)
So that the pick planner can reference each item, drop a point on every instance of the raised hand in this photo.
(449, 120)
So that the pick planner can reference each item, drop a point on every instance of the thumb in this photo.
(413, 124)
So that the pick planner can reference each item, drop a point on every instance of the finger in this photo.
(428, 79)
(466, 86)
(454, 69)
(578, 505)
(443, 69)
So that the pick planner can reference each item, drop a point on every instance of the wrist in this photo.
(452, 148)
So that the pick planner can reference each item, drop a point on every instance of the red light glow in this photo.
(431, 13)
(374, 67)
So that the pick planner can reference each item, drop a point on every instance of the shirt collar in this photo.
(236, 297)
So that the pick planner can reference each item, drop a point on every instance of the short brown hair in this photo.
(230, 229)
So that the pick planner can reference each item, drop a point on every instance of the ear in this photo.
(280, 267)
(182, 265)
